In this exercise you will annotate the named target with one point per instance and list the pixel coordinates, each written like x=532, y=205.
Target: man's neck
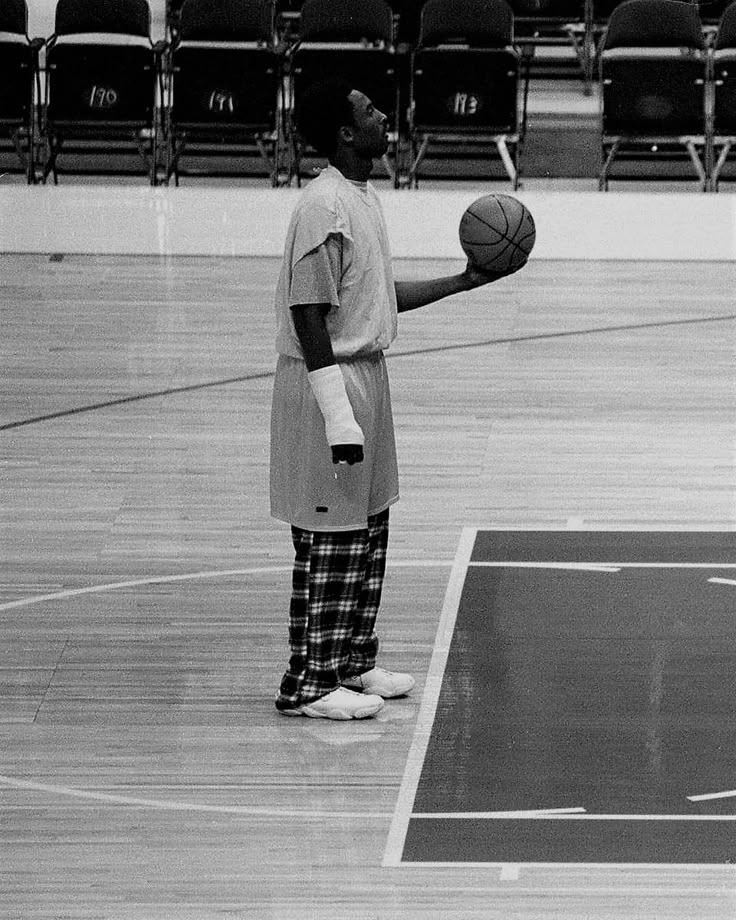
x=352, y=167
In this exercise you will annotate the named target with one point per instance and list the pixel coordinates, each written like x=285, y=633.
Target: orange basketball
x=497, y=232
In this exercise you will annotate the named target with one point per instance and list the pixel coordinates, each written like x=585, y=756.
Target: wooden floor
x=144, y=772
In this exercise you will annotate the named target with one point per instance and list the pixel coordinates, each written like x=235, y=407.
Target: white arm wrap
x=328, y=386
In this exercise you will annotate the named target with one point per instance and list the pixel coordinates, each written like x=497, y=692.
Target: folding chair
x=545, y=29
x=355, y=40
x=654, y=77
x=711, y=13
x=226, y=81
x=466, y=82
x=102, y=79
x=19, y=83
x=724, y=92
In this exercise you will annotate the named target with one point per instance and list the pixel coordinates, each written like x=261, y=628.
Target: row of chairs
x=226, y=82
x=576, y=24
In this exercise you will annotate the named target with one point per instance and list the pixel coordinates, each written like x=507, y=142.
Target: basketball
x=497, y=233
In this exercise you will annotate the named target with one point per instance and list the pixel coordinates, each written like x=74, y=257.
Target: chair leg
x=417, y=155
x=603, y=177
x=509, y=165
x=153, y=175
x=390, y=171
x=53, y=146
x=697, y=164
x=720, y=163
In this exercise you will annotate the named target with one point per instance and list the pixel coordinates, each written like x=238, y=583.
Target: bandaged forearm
x=328, y=386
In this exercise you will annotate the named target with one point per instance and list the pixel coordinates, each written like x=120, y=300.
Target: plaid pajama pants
x=336, y=592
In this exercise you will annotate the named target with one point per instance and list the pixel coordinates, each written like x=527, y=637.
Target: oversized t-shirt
x=336, y=253
x=323, y=264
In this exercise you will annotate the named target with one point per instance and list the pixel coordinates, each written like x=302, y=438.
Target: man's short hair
x=322, y=109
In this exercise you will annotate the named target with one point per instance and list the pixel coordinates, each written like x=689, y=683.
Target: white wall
x=252, y=221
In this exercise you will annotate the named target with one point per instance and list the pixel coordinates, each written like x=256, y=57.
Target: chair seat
x=652, y=53
x=95, y=39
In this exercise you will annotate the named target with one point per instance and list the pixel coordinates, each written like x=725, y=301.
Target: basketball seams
x=489, y=255
x=501, y=238
x=522, y=215
x=496, y=248
x=490, y=226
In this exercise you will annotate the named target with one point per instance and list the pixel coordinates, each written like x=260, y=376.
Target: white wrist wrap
x=328, y=386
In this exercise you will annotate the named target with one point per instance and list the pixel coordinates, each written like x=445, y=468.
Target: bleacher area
x=477, y=90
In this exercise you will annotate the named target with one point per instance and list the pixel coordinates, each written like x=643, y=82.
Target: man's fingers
x=347, y=453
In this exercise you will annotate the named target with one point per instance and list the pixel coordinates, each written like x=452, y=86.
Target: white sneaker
x=385, y=683
x=342, y=704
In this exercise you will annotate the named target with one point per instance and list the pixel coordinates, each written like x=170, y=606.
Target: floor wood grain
x=144, y=772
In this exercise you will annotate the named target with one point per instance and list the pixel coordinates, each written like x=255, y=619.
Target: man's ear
x=346, y=134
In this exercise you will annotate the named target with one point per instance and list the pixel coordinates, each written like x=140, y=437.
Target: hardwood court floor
x=144, y=772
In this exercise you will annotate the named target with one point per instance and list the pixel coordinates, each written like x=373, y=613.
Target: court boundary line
x=419, y=352
x=192, y=576
x=574, y=866
x=242, y=811
x=425, y=720
x=552, y=816
x=603, y=567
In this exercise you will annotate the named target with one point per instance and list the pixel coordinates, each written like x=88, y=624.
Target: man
x=333, y=457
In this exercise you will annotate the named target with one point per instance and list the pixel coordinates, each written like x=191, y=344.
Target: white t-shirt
x=337, y=252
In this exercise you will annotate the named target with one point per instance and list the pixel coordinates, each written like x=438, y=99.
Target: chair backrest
x=119, y=17
x=655, y=24
x=346, y=21
x=726, y=35
x=14, y=17
x=227, y=20
x=478, y=23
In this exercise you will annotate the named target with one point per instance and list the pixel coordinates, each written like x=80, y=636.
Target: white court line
x=710, y=796
x=721, y=581
x=513, y=875
x=409, y=563
x=604, y=566
x=243, y=811
x=549, y=816
x=140, y=582
x=501, y=815
x=191, y=576
x=571, y=566
x=430, y=699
